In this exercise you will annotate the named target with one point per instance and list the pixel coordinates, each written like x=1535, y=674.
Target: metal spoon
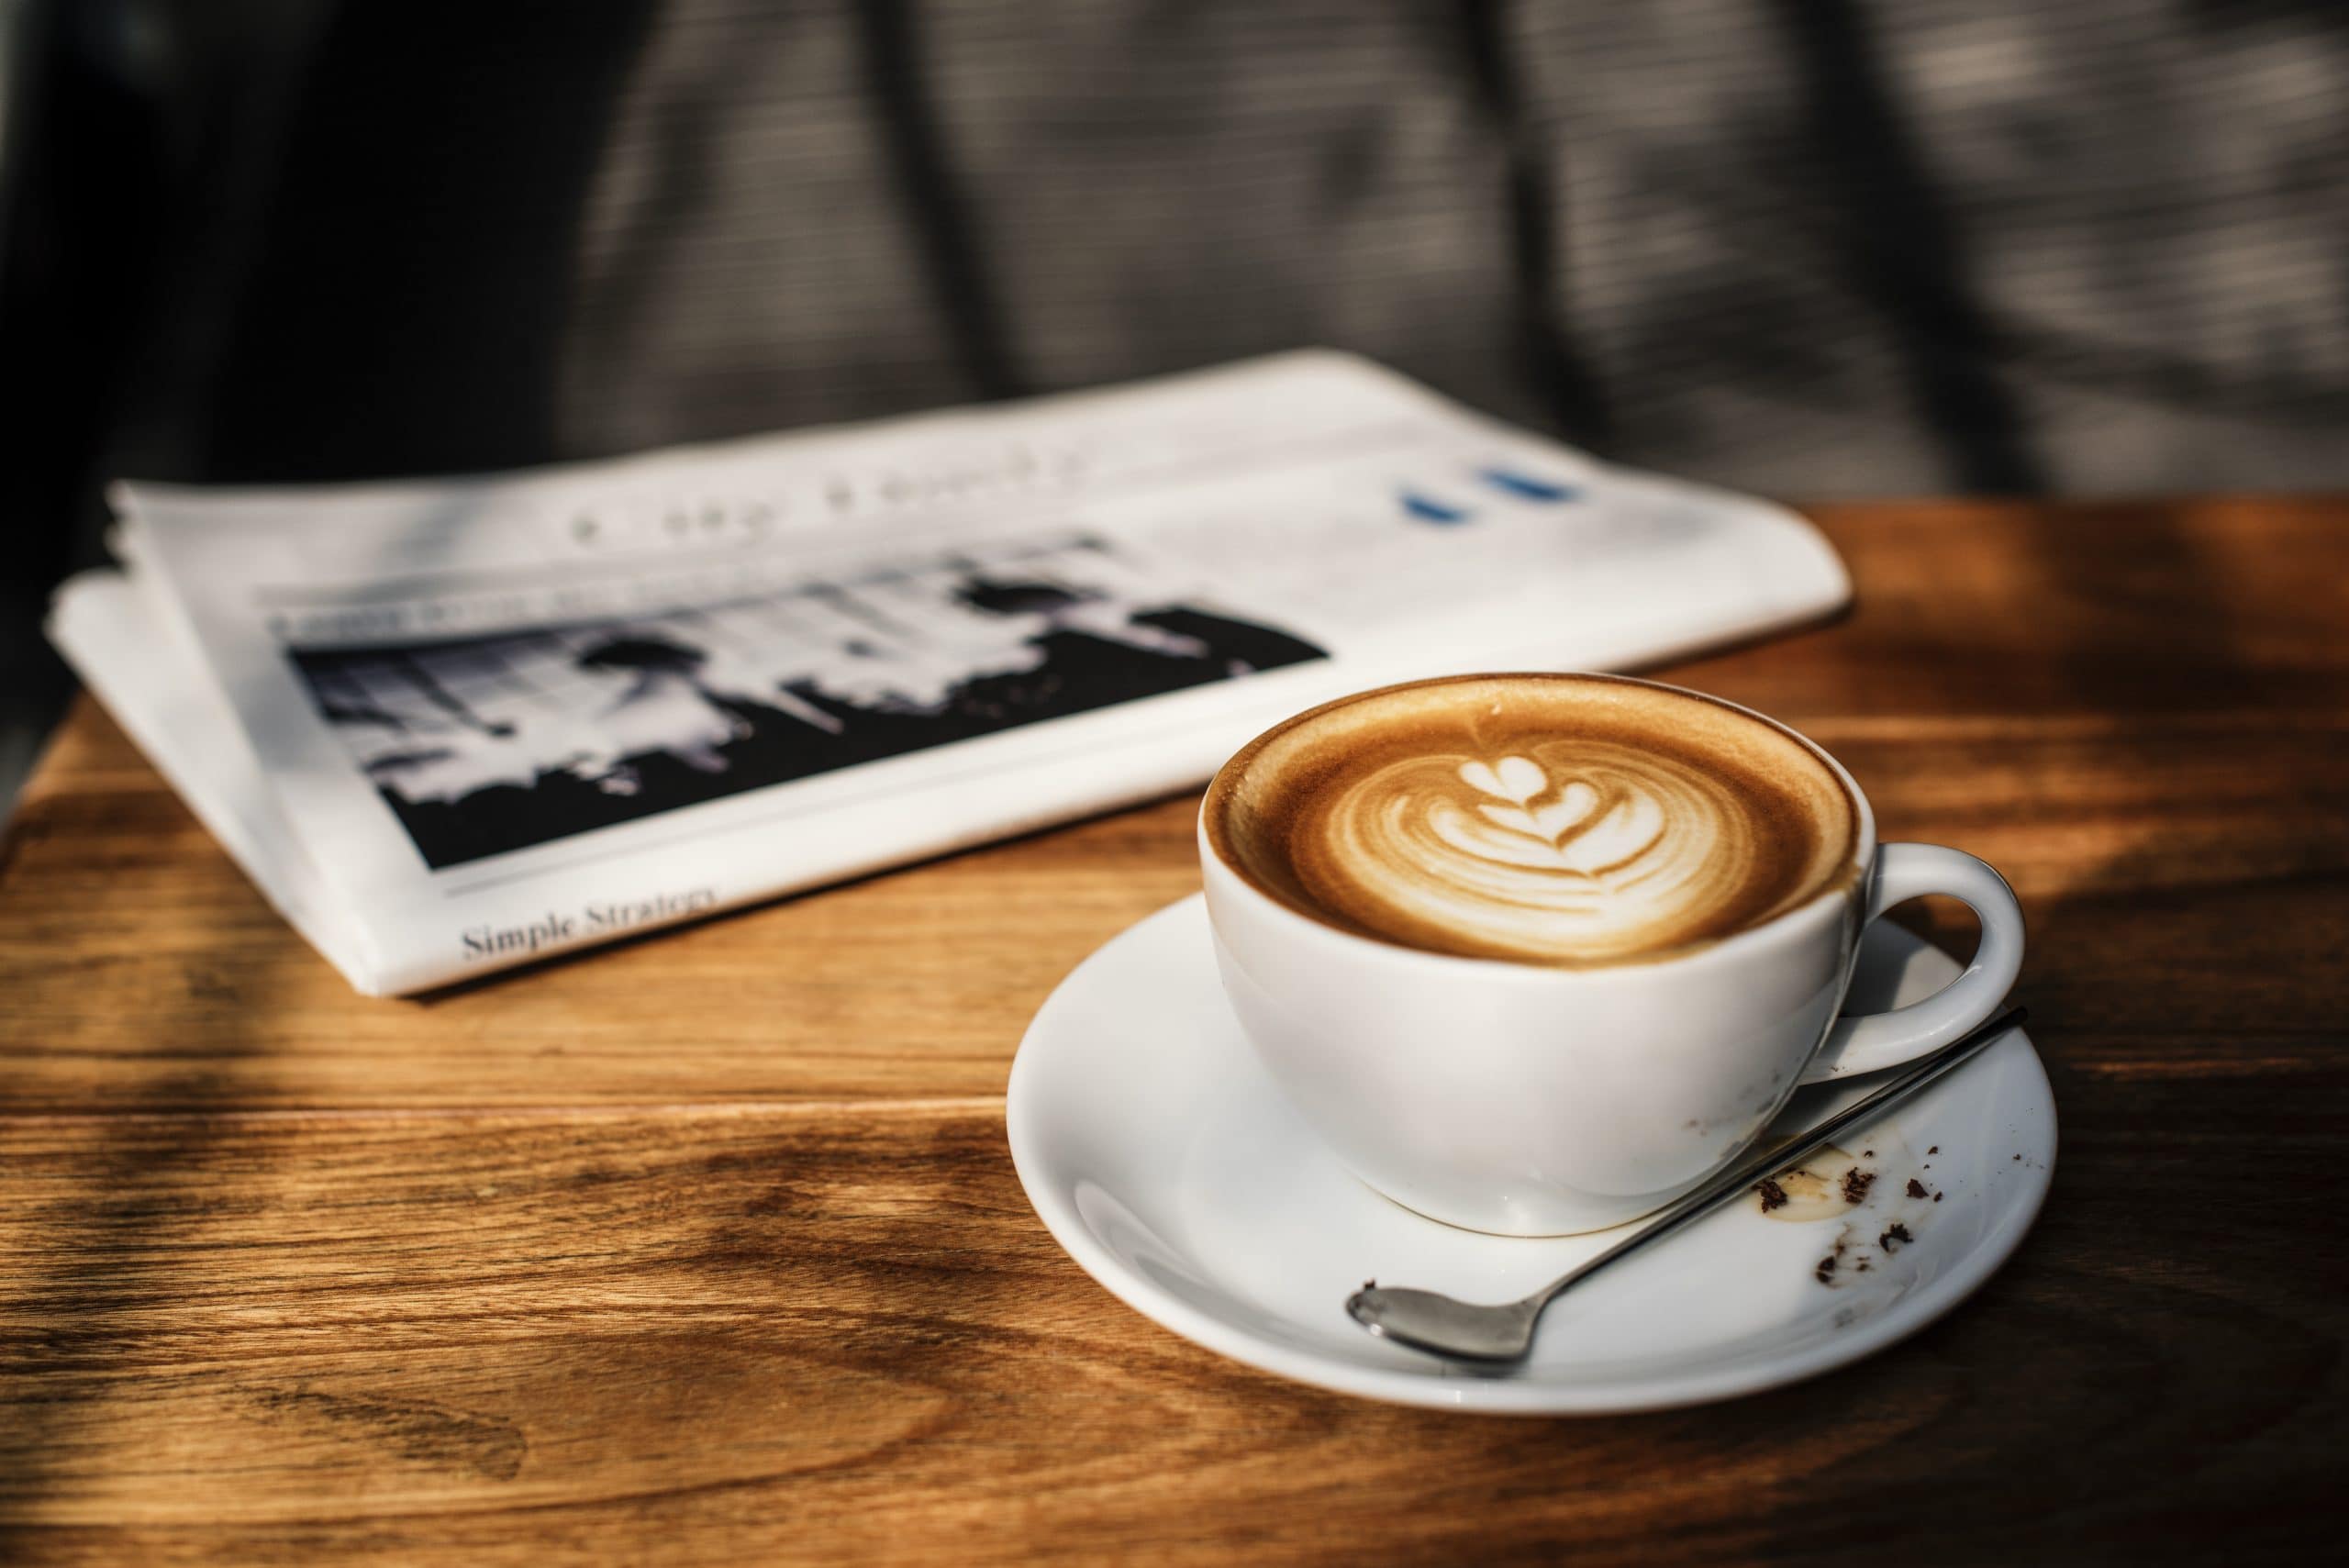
x=1429, y=1321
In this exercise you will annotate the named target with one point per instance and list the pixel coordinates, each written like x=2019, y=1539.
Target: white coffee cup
x=1531, y=1100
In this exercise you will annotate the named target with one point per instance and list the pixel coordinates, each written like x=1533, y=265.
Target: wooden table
x=709, y=1248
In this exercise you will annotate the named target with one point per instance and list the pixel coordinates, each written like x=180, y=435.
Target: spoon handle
x=1741, y=1176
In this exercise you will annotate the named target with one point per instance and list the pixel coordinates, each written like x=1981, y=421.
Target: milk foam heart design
x=1579, y=836
x=1572, y=842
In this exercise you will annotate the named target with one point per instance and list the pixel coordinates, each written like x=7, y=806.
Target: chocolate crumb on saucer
x=1934, y=1149
x=1773, y=1194
x=1899, y=1233
x=1826, y=1267
x=1937, y=1197
x=1916, y=1187
x=1856, y=1182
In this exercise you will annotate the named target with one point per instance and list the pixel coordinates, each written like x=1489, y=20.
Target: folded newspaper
x=450, y=727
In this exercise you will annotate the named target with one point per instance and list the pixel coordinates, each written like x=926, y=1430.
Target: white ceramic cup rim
x=1831, y=900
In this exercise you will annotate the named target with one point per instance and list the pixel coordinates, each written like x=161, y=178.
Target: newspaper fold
x=453, y=725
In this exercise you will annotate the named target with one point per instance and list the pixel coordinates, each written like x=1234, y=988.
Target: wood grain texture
x=836, y=1332
x=707, y=1248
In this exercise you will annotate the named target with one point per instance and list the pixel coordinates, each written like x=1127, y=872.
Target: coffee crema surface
x=1569, y=820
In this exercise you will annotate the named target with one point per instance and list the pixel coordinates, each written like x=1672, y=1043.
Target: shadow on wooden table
x=107, y=1248
x=2182, y=966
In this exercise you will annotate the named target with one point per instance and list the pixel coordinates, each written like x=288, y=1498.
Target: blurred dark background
x=1813, y=247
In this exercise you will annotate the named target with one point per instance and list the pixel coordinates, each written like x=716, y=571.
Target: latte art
x=1580, y=827
x=1573, y=820
x=1592, y=846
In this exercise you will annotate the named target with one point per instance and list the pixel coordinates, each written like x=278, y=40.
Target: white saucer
x=1159, y=1153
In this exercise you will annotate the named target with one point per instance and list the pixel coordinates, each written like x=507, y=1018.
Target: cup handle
x=1877, y=1040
